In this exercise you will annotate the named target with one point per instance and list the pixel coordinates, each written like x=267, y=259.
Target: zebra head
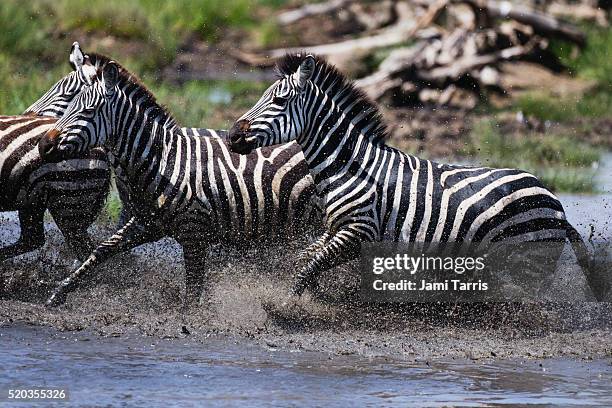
x=279, y=115
x=85, y=124
x=55, y=101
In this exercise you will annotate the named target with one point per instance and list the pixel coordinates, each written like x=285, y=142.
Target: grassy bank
x=146, y=35
x=562, y=163
x=555, y=155
x=591, y=63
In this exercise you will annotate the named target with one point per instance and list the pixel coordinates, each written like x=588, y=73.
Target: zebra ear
x=76, y=57
x=305, y=71
x=110, y=75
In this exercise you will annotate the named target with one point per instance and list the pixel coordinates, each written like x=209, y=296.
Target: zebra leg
x=32, y=235
x=130, y=236
x=125, y=215
x=336, y=250
x=75, y=234
x=596, y=279
x=194, y=254
x=315, y=246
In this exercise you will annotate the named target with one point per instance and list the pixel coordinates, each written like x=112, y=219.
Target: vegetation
x=562, y=163
x=208, y=103
x=592, y=63
x=112, y=209
x=594, y=104
x=146, y=35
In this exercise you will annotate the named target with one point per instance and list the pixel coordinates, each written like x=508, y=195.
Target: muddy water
x=225, y=371
x=592, y=214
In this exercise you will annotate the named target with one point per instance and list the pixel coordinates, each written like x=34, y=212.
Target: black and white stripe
x=74, y=191
x=372, y=192
x=181, y=184
x=55, y=101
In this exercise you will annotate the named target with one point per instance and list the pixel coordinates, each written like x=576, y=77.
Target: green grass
x=112, y=17
x=23, y=30
x=562, y=163
x=21, y=85
x=37, y=29
x=206, y=103
x=595, y=104
x=113, y=207
x=145, y=35
x=593, y=63
x=267, y=34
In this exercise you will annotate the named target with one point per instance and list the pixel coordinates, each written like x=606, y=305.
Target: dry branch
x=542, y=24
x=453, y=61
x=578, y=11
x=400, y=32
x=291, y=16
x=461, y=63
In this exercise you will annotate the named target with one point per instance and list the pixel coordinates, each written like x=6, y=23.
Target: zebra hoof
x=58, y=297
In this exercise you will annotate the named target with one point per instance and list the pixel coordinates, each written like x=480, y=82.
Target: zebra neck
x=145, y=136
x=139, y=123
x=337, y=142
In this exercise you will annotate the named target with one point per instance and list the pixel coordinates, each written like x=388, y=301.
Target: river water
x=144, y=371
x=586, y=210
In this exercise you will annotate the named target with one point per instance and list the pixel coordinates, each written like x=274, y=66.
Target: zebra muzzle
x=47, y=146
x=240, y=138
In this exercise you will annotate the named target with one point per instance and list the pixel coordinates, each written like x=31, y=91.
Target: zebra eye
x=279, y=100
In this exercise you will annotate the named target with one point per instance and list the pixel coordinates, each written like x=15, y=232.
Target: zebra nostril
x=239, y=130
x=48, y=145
x=45, y=148
x=244, y=125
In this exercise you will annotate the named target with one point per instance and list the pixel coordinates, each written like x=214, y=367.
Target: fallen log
x=444, y=70
x=579, y=11
x=541, y=23
x=402, y=31
x=469, y=63
x=291, y=16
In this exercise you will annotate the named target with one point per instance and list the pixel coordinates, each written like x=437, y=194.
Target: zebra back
x=373, y=191
x=75, y=186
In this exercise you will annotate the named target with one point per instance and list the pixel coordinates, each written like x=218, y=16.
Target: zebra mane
x=99, y=61
x=335, y=82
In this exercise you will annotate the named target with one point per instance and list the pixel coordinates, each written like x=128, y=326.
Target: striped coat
x=73, y=191
x=181, y=184
x=373, y=192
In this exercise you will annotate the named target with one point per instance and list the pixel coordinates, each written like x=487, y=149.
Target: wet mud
x=141, y=294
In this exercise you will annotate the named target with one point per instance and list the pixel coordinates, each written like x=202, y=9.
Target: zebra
x=55, y=101
x=180, y=184
x=372, y=192
x=73, y=191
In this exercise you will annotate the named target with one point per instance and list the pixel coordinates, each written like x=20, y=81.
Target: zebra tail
x=596, y=280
